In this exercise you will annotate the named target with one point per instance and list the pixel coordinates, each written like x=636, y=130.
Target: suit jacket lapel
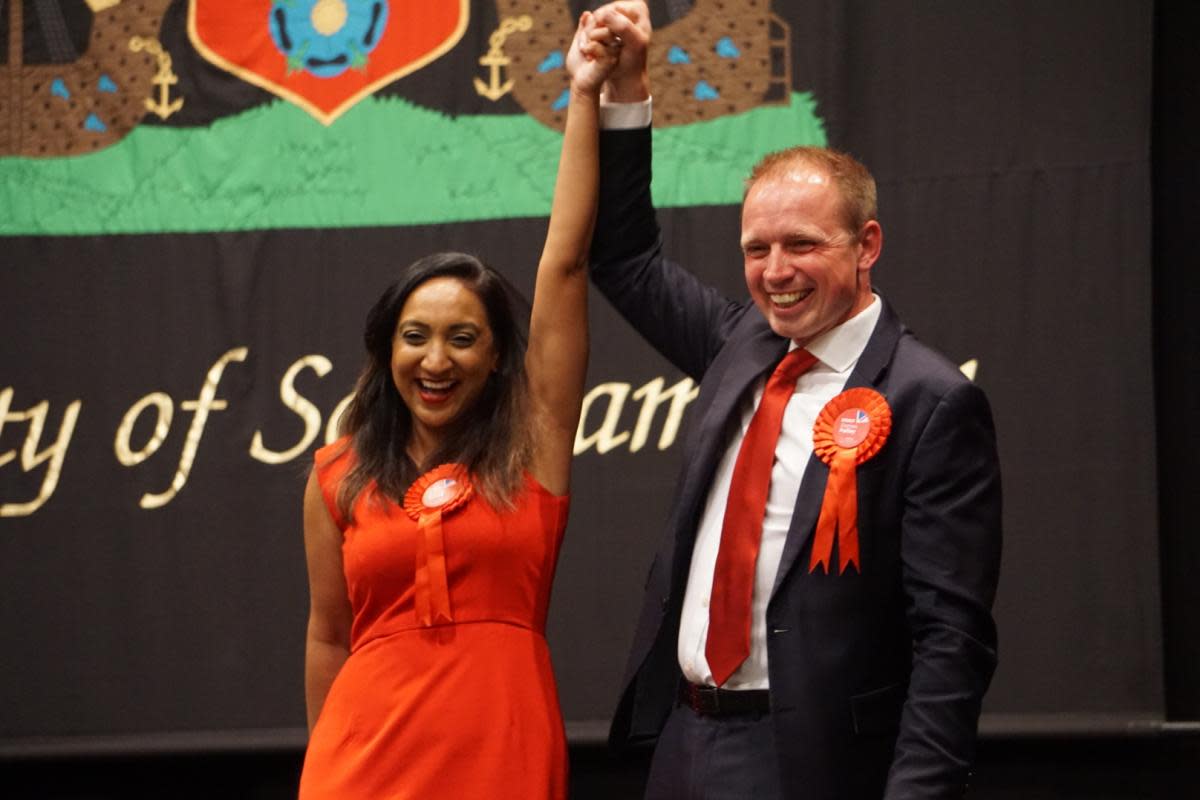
x=869, y=371
x=877, y=355
x=750, y=359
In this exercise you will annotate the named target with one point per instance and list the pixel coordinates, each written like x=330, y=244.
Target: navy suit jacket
x=876, y=677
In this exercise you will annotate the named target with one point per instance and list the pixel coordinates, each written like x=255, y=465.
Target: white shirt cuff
x=624, y=116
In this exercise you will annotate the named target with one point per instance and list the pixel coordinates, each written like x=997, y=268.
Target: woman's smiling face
x=442, y=357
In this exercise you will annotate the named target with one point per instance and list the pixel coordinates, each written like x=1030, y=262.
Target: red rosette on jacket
x=850, y=429
x=441, y=491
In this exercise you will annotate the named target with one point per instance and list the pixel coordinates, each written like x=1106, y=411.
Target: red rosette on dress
x=441, y=491
x=850, y=429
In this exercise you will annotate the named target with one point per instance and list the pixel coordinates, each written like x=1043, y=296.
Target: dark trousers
x=715, y=758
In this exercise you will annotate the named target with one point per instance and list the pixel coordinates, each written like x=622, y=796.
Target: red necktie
x=741, y=532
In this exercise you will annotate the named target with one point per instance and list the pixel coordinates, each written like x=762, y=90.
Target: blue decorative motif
x=727, y=49
x=59, y=89
x=677, y=55
x=93, y=123
x=562, y=101
x=705, y=92
x=552, y=62
x=327, y=37
x=105, y=84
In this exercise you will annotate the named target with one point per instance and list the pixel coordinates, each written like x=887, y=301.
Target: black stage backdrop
x=166, y=372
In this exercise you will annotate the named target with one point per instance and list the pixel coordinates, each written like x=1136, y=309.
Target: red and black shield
x=324, y=55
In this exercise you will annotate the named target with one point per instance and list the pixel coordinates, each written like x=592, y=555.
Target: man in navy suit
x=869, y=656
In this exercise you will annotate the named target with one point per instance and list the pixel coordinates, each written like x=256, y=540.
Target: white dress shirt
x=625, y=116
x=837, y=351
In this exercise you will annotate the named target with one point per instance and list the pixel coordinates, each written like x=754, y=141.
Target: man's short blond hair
x=854, y=181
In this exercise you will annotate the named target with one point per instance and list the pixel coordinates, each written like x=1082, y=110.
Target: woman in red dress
x=432, y=526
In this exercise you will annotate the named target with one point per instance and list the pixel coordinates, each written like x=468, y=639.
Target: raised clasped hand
x=593, y=55
x=629, y=81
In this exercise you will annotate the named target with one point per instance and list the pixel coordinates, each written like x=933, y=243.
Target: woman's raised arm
x=556, y=360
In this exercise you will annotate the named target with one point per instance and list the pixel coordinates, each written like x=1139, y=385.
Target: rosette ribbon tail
x=432, y=599
x=431, y=497
x=839, y=516
x=850, y=429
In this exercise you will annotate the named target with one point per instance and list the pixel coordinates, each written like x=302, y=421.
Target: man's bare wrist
x=631, y=90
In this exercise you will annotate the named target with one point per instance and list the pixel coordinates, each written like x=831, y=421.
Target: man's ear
x=870, y=244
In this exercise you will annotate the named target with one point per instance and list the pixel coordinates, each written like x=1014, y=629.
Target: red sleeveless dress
x=460, y=709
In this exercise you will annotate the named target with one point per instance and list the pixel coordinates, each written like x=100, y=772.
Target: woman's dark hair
x=492, y=439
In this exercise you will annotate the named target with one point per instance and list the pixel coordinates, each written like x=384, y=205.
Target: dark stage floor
x=1144, y=768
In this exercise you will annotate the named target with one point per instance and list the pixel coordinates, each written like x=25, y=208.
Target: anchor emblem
x=164, y=79
x=496, y=61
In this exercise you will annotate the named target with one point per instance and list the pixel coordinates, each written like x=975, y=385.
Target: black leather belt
x=711, y=701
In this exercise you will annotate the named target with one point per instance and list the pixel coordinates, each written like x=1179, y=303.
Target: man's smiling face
x=805, y=270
